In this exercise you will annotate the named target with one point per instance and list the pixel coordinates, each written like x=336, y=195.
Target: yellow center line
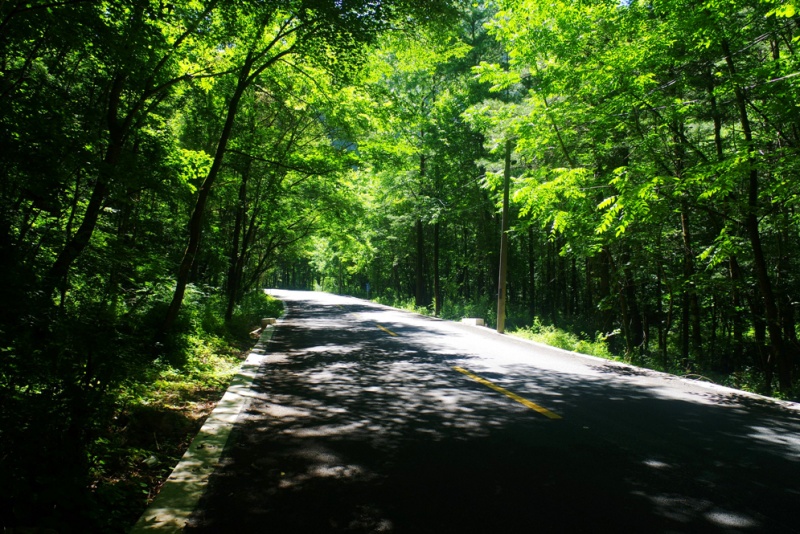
x=386, y=330
x=521, y=400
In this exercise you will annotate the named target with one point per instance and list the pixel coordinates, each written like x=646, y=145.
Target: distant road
x=368, y=419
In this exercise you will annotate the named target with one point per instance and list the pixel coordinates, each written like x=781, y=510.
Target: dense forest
x=650, y=154
x=160, y=162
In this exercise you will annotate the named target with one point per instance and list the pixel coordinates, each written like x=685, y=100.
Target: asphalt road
x=368, y=419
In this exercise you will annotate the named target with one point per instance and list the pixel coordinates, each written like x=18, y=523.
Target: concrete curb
x=170, y=510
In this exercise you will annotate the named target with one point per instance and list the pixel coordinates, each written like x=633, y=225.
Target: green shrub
x=556, y=337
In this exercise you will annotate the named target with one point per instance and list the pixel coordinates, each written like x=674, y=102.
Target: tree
x=640, y=119
x=332, y=34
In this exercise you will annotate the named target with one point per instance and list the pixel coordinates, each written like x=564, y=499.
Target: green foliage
x=406, y=304
x=557, y=337
x=122, y=124
x=255, y=306
x=157, y=411
x=633, y=180
x=653, y=194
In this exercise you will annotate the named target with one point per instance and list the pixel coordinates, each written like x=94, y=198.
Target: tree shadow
x=353, y=430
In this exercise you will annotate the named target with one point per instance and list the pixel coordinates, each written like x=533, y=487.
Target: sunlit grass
x=556, y=337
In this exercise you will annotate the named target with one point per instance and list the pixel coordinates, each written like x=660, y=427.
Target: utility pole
x=501, y=286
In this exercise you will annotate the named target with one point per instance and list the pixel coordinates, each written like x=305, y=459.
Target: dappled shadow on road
x=353, y=430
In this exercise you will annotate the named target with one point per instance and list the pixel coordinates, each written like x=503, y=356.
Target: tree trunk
x=465, y=285
x=691, y=306
x=78, y=242
x=573, y=289
x=786, y=308
x=738, y=334
x=716, y=116
x=632, y=318
x=419, y=275
x=662, y=320
x=196, y=221
x=751, y=223
x=730, y=363
x=604, y=288
x=234, y=274
x=531, y=274
x=549, y=280
x=588, y=300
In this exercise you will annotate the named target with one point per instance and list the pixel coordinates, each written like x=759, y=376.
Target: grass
x=556, y=337
x=158, y=414
x=153, y=425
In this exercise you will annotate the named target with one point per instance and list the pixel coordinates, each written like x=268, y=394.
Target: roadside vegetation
x=162, y=161
x=155, y=416
x=158, y=162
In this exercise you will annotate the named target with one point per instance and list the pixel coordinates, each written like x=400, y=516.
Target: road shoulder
x=170, y=510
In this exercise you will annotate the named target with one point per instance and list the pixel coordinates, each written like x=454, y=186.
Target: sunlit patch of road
x=382, y=434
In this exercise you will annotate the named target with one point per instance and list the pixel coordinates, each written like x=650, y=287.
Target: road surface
x=368, y=419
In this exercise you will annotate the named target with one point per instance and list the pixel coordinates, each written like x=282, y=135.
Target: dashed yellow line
x=386, y=330
x=509, y=394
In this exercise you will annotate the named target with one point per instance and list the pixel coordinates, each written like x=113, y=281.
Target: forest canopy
x=162, y=162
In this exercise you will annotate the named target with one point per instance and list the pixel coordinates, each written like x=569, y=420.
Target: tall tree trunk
x=588, y=298
x=419, y=264
x=762, y=349
x=690, y=313
x=196, y=221
x=234, y=276
x=754, y=235
x=632, y=318
x=419, y=274
x=531, y=274
x=466, y=255
x=738, y=334
x=663, y=320
x=604, y=288
x=573, y=289
x=550, y=282
x=691, y=305
x=732, y=362
x=786, y=308
x=715, y=115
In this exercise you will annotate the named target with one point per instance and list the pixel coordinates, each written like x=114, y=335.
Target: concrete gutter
x=170, y=510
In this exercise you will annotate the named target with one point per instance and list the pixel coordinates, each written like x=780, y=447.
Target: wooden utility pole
x=419, y=274
x=501, y=286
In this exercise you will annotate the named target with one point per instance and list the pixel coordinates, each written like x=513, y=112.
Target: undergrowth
x=556, y=337
x=159, y=411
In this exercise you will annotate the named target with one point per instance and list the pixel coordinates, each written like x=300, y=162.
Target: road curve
x=364, y=418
